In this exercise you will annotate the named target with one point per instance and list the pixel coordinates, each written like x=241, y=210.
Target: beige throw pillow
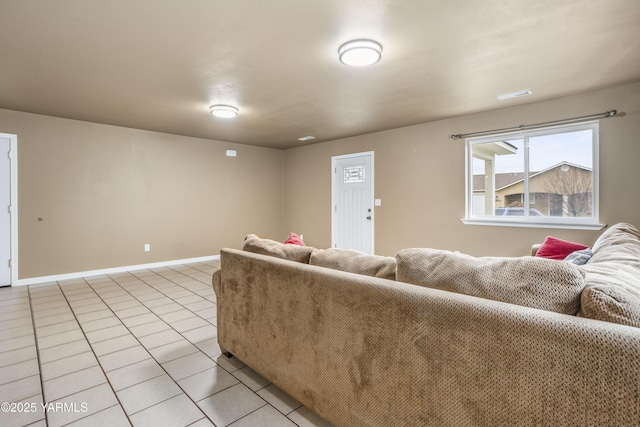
x=355, y=262
x=528, y=281
x=255, y=244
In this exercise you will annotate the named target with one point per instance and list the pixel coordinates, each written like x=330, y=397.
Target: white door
x=352, y=202
x=5, y=215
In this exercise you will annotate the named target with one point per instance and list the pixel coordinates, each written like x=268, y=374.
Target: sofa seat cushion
x=355, y=262
x=527, y=281
x=612, y=292
x=255, y=244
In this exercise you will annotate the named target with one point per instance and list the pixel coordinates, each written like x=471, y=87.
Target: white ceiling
x=159, y=64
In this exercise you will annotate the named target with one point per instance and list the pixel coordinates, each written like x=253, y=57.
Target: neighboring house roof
x=508, y=179
x=502, y=180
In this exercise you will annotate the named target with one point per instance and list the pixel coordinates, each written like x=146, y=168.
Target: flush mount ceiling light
x=359, y=53
x=514, y=95
x=224, y=111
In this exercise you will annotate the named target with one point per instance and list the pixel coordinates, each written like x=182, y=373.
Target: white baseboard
x=68, y=276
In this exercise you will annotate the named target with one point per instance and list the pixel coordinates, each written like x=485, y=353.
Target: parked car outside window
x=517, y=212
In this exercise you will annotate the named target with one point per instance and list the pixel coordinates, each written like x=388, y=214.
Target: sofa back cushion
x=528, y=281
x=612, y=292
x=255, y=244
x=355, y=262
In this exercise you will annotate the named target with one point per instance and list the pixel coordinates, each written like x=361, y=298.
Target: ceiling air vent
x=514, y=95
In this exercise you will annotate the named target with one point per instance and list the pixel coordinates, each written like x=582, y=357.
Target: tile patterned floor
x=136, y=348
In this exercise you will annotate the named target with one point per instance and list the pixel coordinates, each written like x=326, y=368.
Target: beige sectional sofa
x=469, y=342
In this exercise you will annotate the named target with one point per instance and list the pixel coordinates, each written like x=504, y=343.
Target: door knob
x=369, y=217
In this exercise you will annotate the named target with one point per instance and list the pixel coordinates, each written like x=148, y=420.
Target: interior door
x=352, y=202
x=5, y=215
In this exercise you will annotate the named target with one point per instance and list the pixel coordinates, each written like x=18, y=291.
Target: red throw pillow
x=554, y=248
x=294, y=239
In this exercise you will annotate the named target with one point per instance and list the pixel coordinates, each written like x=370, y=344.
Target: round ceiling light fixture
x=223, y=111
x=360, y=53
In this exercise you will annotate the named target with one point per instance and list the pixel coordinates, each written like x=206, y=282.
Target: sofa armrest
x=215, y=281
x=534, y=249
x=362, y=350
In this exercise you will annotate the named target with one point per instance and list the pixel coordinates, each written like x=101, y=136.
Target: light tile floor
x=136, y=348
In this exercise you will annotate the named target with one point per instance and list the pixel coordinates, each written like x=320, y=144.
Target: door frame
x=13, y=216
x=334, y=183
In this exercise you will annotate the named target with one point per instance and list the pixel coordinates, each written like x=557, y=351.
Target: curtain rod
x=609, y=113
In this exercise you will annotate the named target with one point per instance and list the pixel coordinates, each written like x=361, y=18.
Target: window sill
x=533, y=224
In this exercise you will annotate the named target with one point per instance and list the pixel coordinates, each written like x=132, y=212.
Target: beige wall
x=419, y=168
x=104, y=191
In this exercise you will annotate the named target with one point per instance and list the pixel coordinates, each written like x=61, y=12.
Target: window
x=545, y=177
x=353, y=174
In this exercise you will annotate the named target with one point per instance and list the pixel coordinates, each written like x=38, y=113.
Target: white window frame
x=591, y=223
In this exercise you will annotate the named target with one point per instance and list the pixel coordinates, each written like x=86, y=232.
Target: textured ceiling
x=159, y=64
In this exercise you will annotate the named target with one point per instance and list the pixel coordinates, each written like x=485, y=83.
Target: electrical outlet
x=147, y=247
